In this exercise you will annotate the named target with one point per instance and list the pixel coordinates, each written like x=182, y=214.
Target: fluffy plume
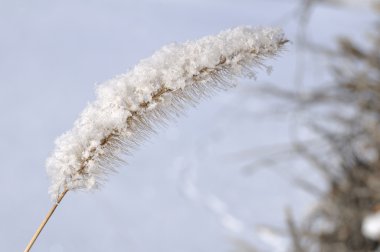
x=131, y=105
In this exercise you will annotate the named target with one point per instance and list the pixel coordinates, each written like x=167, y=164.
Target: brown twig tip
x=284, y=41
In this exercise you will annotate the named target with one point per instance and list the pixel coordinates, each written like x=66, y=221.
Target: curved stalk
x=43, y=223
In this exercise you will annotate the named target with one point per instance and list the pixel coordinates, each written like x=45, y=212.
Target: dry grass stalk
x=129, y=107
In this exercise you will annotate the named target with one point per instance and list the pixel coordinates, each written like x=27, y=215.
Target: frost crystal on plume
x=129, y=106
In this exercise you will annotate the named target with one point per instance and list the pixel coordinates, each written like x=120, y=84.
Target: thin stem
x=43, y=223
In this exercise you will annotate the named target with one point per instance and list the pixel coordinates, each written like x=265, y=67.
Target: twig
x=43, y=223
x=295, y=236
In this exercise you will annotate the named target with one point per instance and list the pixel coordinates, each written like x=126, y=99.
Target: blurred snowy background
x=186, y=189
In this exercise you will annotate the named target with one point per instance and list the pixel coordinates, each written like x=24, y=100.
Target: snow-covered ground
x=182, y=191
